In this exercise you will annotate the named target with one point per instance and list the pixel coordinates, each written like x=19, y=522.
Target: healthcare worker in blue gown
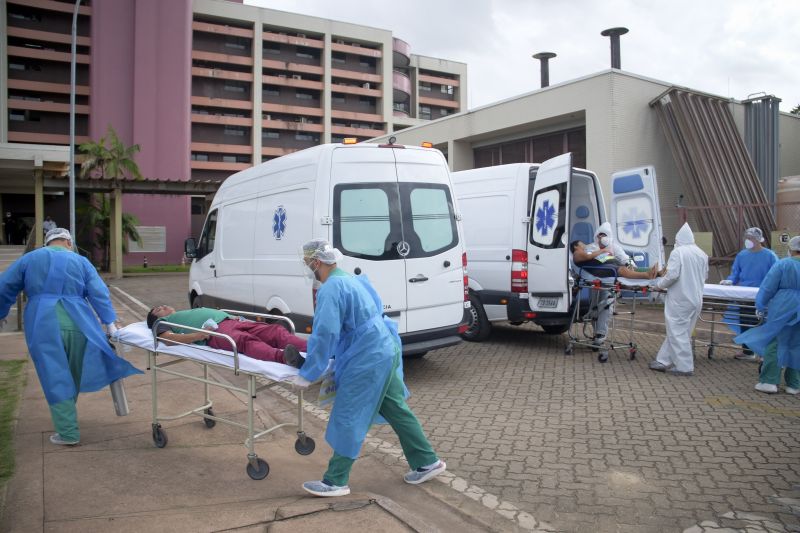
x=69, y=349
x=350, y=327
x=778, y=338
x=749, y=269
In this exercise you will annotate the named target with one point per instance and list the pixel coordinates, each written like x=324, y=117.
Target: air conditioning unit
x=301, y=35
x=303, y=120
x=267, y=117
x=339, y=41
x=282, y=76
x=297, y=77
x=366, y=85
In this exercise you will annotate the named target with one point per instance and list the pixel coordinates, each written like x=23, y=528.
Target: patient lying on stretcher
x=266, y=342
x=596, y=262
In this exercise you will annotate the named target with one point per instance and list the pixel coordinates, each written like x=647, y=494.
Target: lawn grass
x=12, y=379
x=155, y=269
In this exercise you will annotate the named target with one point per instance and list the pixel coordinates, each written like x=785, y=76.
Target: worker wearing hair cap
x=68, y=348
x=778, y=338
x=749, y=268
x=350, y=327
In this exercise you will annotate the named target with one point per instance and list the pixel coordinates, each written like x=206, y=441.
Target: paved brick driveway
x=586, y=446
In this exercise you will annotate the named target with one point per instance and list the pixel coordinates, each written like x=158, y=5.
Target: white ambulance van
x=388, y=208
x=518, y=222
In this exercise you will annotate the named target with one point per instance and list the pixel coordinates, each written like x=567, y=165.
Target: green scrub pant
x=393, y=408
x=64, y=413
x=771, y=372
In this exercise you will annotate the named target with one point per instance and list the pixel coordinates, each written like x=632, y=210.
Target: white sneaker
x=769, y=388
x=55, y=438
x=423, y=474
x=793, y=392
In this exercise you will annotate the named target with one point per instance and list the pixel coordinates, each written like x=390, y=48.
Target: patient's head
x=576, y=245
x=157, y=312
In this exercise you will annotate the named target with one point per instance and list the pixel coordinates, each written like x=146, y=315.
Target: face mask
x=748, y=244
x=605, y=241
x=310, y=273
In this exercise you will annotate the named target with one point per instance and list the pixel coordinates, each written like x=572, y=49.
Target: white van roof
x=301, y=158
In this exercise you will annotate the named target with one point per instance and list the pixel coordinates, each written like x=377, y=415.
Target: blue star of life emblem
x=545, y=218
x=279, y=223
x=636, y=225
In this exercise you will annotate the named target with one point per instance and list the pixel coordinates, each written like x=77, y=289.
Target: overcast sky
x=726, y=47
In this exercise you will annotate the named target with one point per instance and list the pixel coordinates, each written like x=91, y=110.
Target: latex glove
x=299, y=382
x=726, y=282
x=759, y=314
x=111, y=329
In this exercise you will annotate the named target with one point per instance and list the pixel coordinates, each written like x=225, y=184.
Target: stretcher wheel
x=568, y=349
x=603, y=357
x=159, y=436
x=258, y=473
x=632, y=353
x=304, y=448
x=710, y=352
x=209, y=423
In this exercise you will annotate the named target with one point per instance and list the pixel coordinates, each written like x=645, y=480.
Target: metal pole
x=72, y=120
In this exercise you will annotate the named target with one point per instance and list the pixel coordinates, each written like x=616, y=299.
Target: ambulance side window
x=367, y=220
x=208, y=236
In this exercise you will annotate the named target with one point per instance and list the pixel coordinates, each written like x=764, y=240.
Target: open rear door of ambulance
x=548, y=249
x=635, y=215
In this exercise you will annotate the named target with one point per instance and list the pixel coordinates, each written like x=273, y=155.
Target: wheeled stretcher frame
x=257, y=468
x=614, y=286
x=714, y=309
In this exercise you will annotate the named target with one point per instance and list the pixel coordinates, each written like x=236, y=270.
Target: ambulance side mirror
x=190, y=248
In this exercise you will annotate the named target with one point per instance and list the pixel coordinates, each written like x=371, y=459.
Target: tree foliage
x=109, y=158
x=95, y=219
x=796, y=110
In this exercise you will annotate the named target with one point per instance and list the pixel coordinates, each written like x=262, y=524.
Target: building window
x=365, y=101
x=446, y=89
x=16, y=66
x=424, y=86
x=31, y=17
x=16, y=116
x=339, y=57
x=367, y=62
x=272, y=48
x=336, y=99
x=233, y=88
x=443, y=112
x=199, y=157
x=235, y=132
x=271, y=90
x=229, y=159
x=306, y=53
x=238, y=44
x=306, y=137
x=302, y=95
x=266, y=134
x=424, y=112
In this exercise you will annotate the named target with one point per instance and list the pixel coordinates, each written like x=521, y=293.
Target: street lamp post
x=72, y=120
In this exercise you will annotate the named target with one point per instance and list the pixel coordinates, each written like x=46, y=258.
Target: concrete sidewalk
x=116, y=480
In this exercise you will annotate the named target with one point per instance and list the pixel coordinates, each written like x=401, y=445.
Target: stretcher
x=728, y=305
x=268, y=374
x=594, y=292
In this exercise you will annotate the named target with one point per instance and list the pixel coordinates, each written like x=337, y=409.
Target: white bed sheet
x=732, y=292
x=625, y=282
x=138, y=334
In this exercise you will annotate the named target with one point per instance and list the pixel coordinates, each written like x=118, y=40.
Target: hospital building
x=206, y=88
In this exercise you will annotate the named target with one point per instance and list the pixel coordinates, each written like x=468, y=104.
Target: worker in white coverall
x=603, y=301
x=687, y=270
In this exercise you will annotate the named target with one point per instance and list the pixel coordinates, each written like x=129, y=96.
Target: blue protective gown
x=49, y=276
x=349, y=325
x=749, y=269
x=779, y=295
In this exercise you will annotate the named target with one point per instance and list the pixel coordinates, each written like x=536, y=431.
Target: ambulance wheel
x=304, y=448
x=603, y=357
x=260, y=472
x=209, y=423
x=568, y=349
x=478, y=327
x=159, y=436
x=632, y=353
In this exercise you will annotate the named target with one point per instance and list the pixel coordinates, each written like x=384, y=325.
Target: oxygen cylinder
x=119, y=397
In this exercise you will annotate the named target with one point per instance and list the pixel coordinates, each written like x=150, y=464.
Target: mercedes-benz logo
x=403, y=248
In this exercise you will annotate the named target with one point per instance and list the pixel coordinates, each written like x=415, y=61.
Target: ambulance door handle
x=446, y=263
x=212, y=265
x=418, y=279
x=537, y=257
x=357, y=271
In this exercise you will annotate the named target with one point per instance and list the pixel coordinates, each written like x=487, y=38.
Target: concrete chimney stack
x=614, y=34
x=544, y=58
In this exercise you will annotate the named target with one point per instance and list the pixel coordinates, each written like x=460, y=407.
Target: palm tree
x=114, y=161
x=96, y=218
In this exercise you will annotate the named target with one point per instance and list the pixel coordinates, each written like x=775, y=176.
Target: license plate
x=548, y=302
